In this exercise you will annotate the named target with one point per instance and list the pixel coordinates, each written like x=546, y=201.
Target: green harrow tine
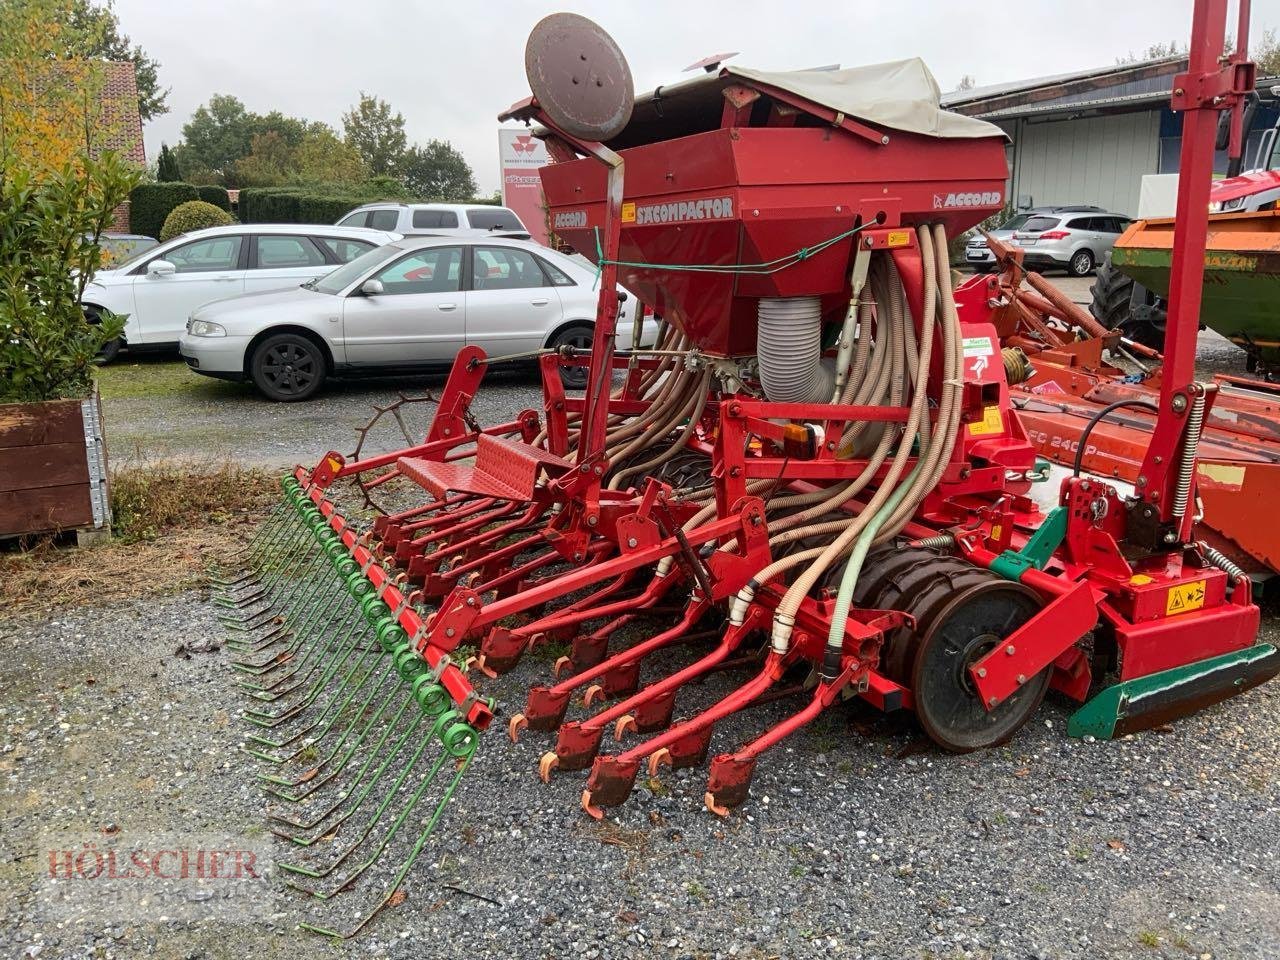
x=377, y=816
x=356, y=679
x=345, y=682
x=459, y=743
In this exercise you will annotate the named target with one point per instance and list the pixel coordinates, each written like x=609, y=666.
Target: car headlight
x=206, y=328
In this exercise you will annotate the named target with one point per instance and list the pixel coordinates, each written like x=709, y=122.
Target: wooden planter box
x=53, y=467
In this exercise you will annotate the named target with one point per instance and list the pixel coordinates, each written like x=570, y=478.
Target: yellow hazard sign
x=991, y=422
x=897, y=238
x=1184, y=598
x=628, y=213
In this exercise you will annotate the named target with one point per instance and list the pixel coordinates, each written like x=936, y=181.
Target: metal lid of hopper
x=579, y=76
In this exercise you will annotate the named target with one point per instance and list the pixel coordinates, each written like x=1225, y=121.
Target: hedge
x=314, y=203
x=151, y=203
x=218, y=196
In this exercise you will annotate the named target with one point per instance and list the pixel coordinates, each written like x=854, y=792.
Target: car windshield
x=1015, y=223
x=1040, y=224
x=347, y=274
x=148, y=250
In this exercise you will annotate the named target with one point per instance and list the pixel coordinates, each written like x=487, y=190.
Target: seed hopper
x=813, y=480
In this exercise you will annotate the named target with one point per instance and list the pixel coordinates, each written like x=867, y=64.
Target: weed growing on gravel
x=150, y=500
x=171, y=521
x=1149, y=938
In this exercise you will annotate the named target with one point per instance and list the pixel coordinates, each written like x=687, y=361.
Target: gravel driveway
x=860, y=840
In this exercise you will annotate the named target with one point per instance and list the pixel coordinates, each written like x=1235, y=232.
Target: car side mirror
x=371, y=288
x=161, y=268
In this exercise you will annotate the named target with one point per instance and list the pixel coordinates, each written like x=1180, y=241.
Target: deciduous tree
x=376, y=133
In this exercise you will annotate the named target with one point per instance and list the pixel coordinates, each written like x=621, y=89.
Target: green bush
x=218, y=196
x=193, y=215
x=151, y=203
x=49, y=229
x=313, y=203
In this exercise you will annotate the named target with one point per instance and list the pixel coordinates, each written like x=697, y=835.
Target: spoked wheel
x=962, y=612
x=1081, y=263
x=402, y=423
x=288, y=367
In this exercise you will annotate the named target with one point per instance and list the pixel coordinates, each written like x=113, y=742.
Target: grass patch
x=170, y=523
x=155, y=378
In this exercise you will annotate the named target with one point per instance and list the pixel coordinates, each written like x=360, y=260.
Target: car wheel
x=1081, y=263
x=111, y=349
x=580, y=337
x=288, y=367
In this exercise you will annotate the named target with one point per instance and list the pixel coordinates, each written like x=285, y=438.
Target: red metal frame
x=537, y=548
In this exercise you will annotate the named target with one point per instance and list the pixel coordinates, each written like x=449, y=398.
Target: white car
x=159, y=288
x=411, y=304
x=438, y=219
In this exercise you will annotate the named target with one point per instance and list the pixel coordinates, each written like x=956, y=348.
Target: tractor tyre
x=1112, y=307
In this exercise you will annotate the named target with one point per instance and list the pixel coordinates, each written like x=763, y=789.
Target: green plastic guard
x=1160, y=697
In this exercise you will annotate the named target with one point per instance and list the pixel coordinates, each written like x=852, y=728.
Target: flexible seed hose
x=691, y=422
x=924, y=477
x=784, y=616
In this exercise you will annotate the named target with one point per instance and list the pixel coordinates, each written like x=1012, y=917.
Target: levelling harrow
x=813, y=481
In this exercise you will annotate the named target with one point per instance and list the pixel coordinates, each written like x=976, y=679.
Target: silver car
x=411, y=304
x=983, y=260
x=1076, y=242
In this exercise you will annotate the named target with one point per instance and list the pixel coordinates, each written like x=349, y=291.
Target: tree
x=217, y=135
x=268, y=164
x=1157, y=51
x=94, y=32
x=50, y=105
x=375, y=133
x=436, y=171
x=1265, y=52
x=167, y=169
x=966, y=82
x=323, y=157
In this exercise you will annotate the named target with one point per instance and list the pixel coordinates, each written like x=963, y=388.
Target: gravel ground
x=860, y=840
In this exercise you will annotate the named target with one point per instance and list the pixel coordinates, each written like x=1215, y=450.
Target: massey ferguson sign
x=520, y=156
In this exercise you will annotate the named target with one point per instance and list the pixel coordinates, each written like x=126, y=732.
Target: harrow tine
x=459, y=742
x=334, y=712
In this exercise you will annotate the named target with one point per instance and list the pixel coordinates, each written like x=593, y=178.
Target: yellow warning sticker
x=897, y=238
x=628, y=213
x=1185, y=598
x=991, y=422
x=334, y=464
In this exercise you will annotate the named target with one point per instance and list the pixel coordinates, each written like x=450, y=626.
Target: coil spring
x=1017, y=365
x=940, y=541
x=1222, y=562
x=1194, y=424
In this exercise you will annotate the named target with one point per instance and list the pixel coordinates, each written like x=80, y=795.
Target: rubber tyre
x=946, y=596
x=288, y=367
x=960, y=723
x=1112, y=307
x=1081, y=263
x=111, y=349
x=580, y=336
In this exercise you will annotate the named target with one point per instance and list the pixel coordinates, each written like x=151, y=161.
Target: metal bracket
x=95, y=455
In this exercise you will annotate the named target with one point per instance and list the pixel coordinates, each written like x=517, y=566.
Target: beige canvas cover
x=900, y=94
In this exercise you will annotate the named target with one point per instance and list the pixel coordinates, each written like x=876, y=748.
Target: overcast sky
x=450, y=68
